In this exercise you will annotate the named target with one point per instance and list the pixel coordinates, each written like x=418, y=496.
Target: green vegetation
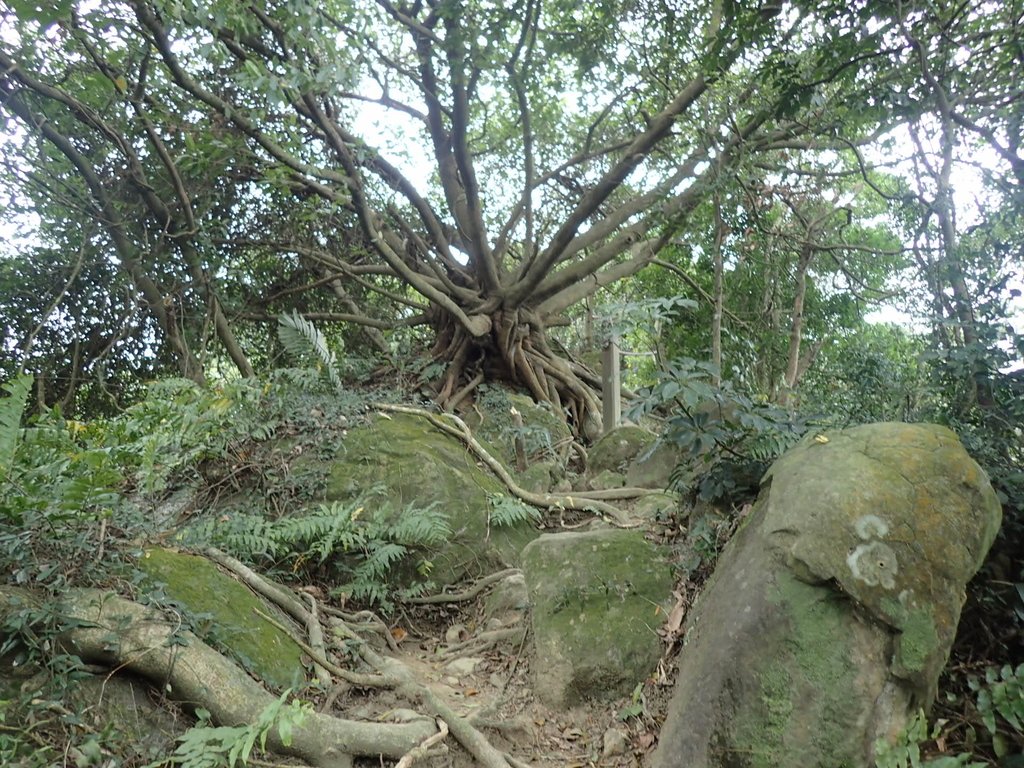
x=207, y=746
x=460, y=202
x=360, y=552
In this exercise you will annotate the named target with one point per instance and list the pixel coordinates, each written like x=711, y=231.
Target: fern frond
x=421, y=526
x=11, y=408
x=380, y=559
x=508, y=511
x=304, y=340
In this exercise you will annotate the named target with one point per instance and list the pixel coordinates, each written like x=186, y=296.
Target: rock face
x=408, y=461
x=595, y=599
x=832, y=610
x=204, y=590
x=636, y=454
x=617, y=448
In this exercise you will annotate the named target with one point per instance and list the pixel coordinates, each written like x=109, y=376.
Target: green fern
x=206, y=746
x=304, y=340
x=507, y=511
x=365, y=553
x=11, y=408
x=429, y=526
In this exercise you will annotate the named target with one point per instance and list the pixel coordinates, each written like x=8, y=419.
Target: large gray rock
x=832, y=610
x=595, y=599
x=653, y=467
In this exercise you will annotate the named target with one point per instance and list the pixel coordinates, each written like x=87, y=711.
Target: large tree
x=569, y=145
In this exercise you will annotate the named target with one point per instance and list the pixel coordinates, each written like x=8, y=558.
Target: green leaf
x=45, y=13
x=305, y=341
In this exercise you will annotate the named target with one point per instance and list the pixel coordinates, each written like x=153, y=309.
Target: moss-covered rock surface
x=224, y=611
x=596, y=598
x=616, y=449
x=832, y=611
x=543, y=432
x=400, y=460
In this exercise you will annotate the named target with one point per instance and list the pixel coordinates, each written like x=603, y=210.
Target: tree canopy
x=479, y=170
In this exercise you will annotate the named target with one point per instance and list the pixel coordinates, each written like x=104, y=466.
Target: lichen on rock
x=832, y=611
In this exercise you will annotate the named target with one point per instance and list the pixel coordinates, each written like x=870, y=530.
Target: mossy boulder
x=606, y=480
x=657, y=506
x=595, y=597
x=225, y=612
x=831, y=612
x=539, y=477
x=404, y=460
x=543, y=430
x=616, y=449
x=653, y=467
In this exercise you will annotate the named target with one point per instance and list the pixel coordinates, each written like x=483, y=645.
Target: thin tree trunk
x=792, y=374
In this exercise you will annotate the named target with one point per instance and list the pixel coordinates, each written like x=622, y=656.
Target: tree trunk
x=515, y=351
x=792, y=374
x=716, y=314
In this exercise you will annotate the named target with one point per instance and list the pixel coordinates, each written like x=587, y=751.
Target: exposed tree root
x=117, y=633
x=389, y=672
x=581, y=502
x=463, y=393
x=481, y=642
x=367, y=620
x=316, y=639
x=465, y=595
x=423, y=749
x=514, y=350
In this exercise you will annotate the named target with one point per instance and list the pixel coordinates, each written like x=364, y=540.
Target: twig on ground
x=421, y=750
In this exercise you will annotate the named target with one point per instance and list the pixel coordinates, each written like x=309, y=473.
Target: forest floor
x=494, y=690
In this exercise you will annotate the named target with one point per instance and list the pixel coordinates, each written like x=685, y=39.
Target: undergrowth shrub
x=727, y=438
x=76, y=497
x=370, y=556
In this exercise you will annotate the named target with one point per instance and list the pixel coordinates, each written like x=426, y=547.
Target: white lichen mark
x=874, y=563
x=871, y=527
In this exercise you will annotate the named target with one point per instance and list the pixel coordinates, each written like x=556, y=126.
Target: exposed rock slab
x=616, y=449
x=595, y=602
x=653, y=467
x=832, y=610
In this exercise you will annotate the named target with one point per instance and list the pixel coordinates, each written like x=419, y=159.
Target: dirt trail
x=492, y=687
